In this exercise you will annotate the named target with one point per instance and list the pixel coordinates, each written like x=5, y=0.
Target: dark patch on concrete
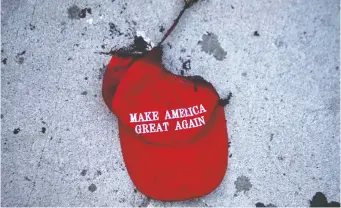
x=92, y=188
x=86, y=78
x=225, y=101
x=243, y=184
x=98, y=173
x=2, y=116
x=279, y=43
x=32, y=27
x=43, y=130
x=169, y=45
x=230, y=155
x=83, y=173
x=83, y=12
x=22, y=53
x=210, y=45
x=103, y=46
x=229, y=144
x=183, y=50
x=232, y=7
x=16, y=131
x=244, y=74
x=255, y=33
x=19, y=59
x=27, y=179
x=69, y=59
x=271, y=135
x=51, y=138
x=145, y=202
x=161, y=29
x=140, y=44
x=114, y=31
x=337, y=68
x=186, y=65
x=260, y=204
x=182, y=72
x=281, y=158
x=73, y=12
x=4, y=61
x=84, y=93
x=101, y=71
x=320, y=200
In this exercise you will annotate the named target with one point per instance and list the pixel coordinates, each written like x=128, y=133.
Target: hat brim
x=178, y=173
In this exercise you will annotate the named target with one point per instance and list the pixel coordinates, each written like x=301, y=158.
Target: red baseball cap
x=172, y=129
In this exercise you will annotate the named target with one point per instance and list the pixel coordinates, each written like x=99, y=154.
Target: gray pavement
x=280, y=60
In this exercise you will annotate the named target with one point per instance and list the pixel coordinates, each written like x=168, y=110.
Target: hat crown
x=160, y=107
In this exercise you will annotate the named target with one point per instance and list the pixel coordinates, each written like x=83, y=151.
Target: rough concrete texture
x=280, y=60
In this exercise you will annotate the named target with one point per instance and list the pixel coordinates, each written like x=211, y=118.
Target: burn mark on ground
x=4, y=61
x=271, y=137
x=101, y=71
x=27, y=179
x=242, y=184
x=92, y=187
x=16, y=131
x=186, y=65
x=74, y=12
x=32, y=27
x=84, y=93
x=260, y=204
x=320, y=200
x=43, y=130
x=19, y=57
x=161, y=29
x=210, y=45
x=83, y=173
x=114, y=31
x=255, y=33
x=225, y=101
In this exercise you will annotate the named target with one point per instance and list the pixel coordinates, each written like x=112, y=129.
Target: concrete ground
x=279, y=59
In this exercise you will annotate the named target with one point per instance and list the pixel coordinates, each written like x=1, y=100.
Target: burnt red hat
x=172, y=129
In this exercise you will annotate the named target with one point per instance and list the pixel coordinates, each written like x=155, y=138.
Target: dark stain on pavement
x=101, y=71
x=43, y=130
x=242, y=184
x=186, y=65
x=4, y=61
x=210, y=45
x=98, y=173
x=92, y=187
x=19, y=57
x=16, y=131
x=27, y=179
x=83, y=173
x=225, y=101
x=260, y=204
x=114, y=31
x=32, y=27
x=161, y=29
x=84, y=93
x=74, y=12
x=255, y=33
x=320, y=200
